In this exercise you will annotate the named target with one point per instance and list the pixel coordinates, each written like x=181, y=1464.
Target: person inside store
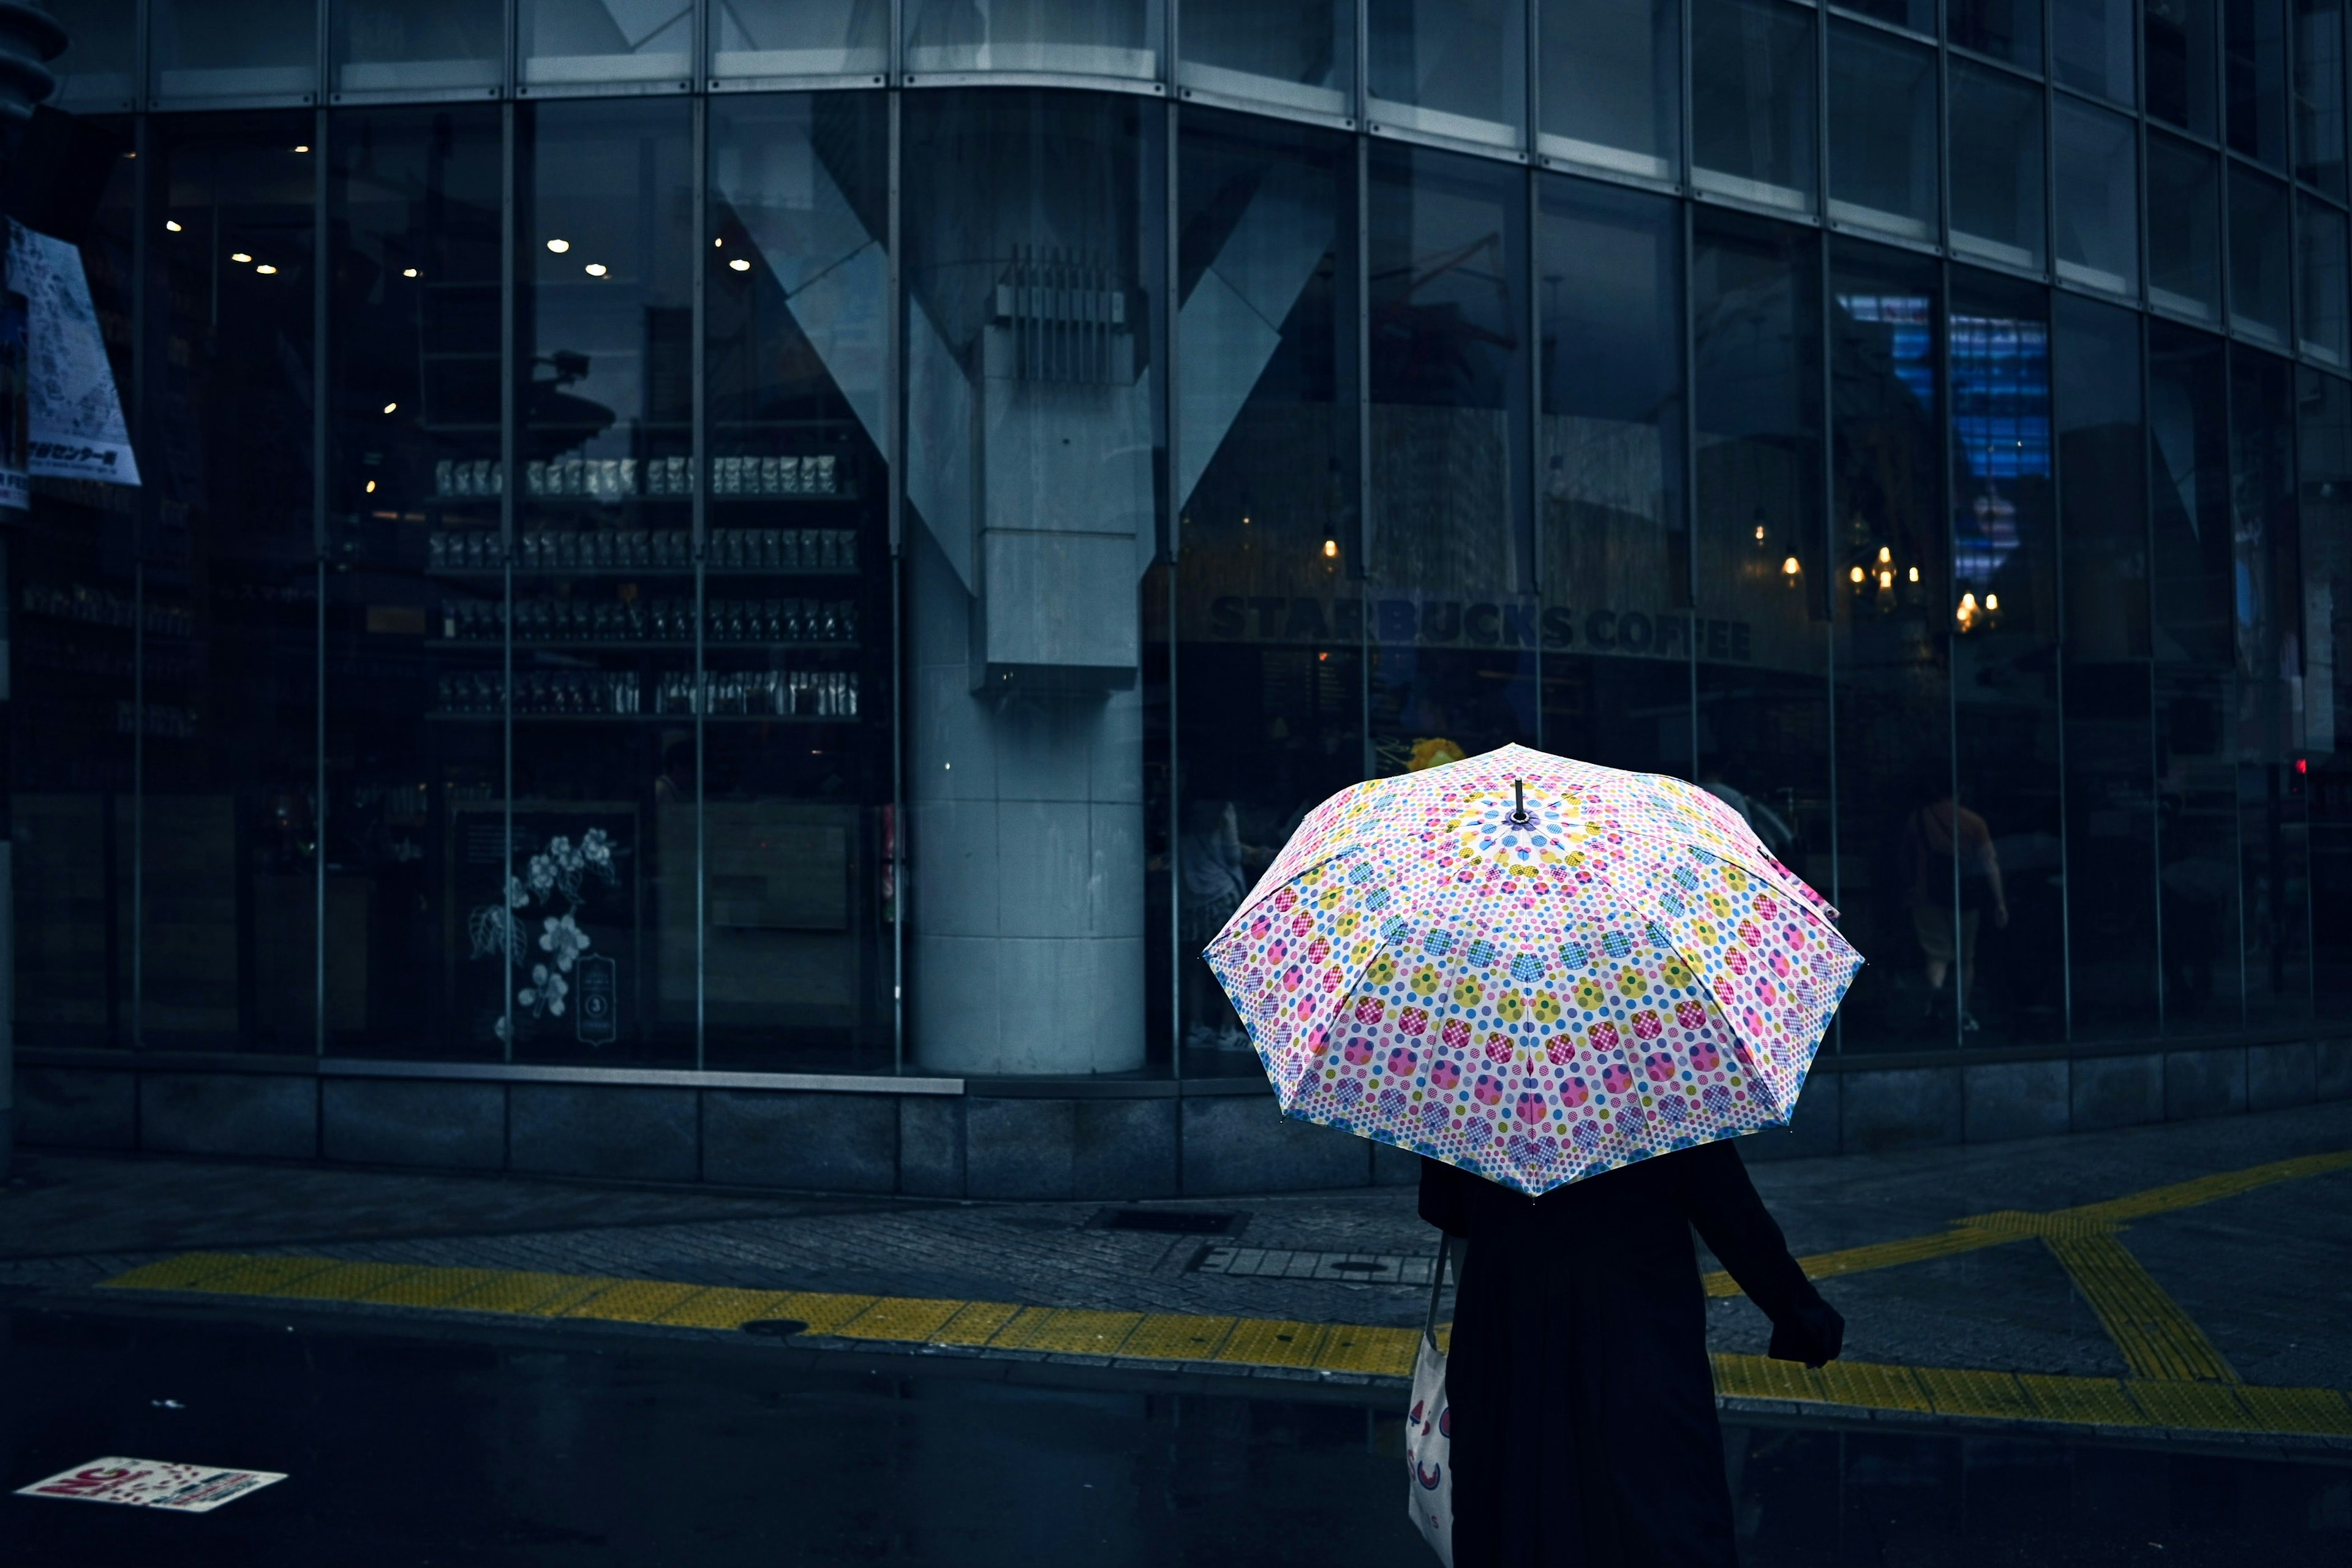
x=1583, y=1419
x=1939, y=833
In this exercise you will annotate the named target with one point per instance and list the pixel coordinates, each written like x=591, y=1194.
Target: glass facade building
x=834, y=538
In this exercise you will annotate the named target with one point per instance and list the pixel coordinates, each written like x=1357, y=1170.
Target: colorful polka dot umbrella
x=1533, y=968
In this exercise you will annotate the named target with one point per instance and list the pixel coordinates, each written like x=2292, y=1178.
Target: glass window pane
x=798, y=38
x=2109, y=740
x=1033, y=232
x=2324, y=471
x=1919, y=16
x=2319, y=94
x=1272, y=603
x=2320, y=283
x=76, y=645
x=2254, y=70
x=1079, y=37
x=2259, y=248
x=1300, y=53
x=227, y=842
x=1449, y=503
x=1617, y=627
x=1762, y=725
x=2098, y=198
x=1450, y=68
x=572, y=43
x=1881, y=134
x=1890, y=574
x=98, y=69
x=417, y=46
x=1998, y=838
x=2179, y=38
x=2008, y=30
x=2091, y=46
x=2275, y=884
x=1612, y=85
x=416, y=601
x=1752, y=101
x=2184, y=228
x=2195, y=696
x=233, y=49
x=1996, y=167
x=796, y=805
x=602, y=729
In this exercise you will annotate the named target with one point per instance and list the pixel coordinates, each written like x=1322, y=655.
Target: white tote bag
x=1429, y=1430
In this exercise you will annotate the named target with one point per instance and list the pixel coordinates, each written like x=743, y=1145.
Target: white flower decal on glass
x=553, y=885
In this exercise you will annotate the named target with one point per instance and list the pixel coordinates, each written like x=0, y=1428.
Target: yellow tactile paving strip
x=2177, y=1379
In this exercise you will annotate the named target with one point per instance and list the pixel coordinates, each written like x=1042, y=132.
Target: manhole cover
x=1171, y=1221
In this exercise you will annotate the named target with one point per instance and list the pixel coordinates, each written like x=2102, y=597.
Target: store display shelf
x=644, y=718
x=478, y=574
x=653, y=645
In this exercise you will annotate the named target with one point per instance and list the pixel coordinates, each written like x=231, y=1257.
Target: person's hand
x=2001, y=916
x=1813, y=1335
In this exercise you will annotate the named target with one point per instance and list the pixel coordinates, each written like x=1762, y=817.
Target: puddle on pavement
x=416, y=1451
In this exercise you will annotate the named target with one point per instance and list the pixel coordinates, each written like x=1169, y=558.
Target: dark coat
x=1584, y=1430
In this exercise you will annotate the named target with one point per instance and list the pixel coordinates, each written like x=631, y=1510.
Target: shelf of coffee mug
x=644, y=718
x=651, y=644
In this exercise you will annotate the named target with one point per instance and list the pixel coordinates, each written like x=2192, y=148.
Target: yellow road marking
x=2156, y=1338
x=2138, y=1401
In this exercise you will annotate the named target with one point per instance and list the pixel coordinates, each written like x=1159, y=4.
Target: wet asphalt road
x=477, y=1449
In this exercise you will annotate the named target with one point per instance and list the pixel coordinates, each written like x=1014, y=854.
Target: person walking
x=1584, y=1431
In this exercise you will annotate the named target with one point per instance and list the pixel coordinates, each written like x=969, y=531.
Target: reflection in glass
x=1035, y=478
x=417, y=46
x=794, y=768
x=77, y=641
x=232, y=48
x=2098, y=198
x=1762, y=729
x=570, y=43
x=2273, y=859
x=1450, y=68
x=1996, y=167
x=1299, y=53
x=2110, y=811
x=1612, y=85
x=227, y=838
x=1882, y=133
x=1752, y=107
x=1078, y=37
x=798, y=37
x=1919, y=16
x=1889, y=581
x=2319, y=94
x=2091, y=46
x=2253, y=70
x=603, y=712
x=1452, y=666
x=2001, y=829
x=416, y=598
x=2323, y=472
x=2184, y=228
x=2179, y=38
x=1616, y=628
x=2320, y=283
x=2008, y=30
x=1272, y=603
x=2259, y=248
x=99, y=66
x=2194, y=697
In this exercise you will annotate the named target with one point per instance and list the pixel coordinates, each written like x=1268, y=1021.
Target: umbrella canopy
x=1533, y=968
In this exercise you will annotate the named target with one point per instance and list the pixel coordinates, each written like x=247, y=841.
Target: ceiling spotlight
x=595, y=269
x=559, y=246
x=1330, y=550
x=171, y=226
x=718, y=243
x=740, y=265
x=267, y=270
x=239, y=257
x=302, y=149
x=392, y=408
x=371, y=487
x=1914, y=575
x=1992, y=601
x=408, y=272
x=1789, y=567
x=1857, y=574
x=1885, y=555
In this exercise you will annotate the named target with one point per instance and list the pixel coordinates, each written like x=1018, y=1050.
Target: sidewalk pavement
x=2189, y=1278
